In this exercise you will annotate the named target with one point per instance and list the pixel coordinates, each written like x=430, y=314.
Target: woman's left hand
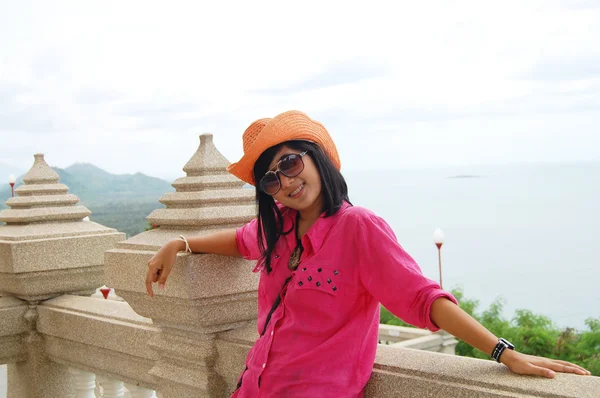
x=537, y=366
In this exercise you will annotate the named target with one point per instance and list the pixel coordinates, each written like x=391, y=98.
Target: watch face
x=508, y=343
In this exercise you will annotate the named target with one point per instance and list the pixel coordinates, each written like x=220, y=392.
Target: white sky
x=129, y=85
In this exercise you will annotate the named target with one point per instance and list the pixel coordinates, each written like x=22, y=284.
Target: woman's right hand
x=160, y=265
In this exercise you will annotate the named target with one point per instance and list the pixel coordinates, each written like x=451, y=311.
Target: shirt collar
x=317, y=232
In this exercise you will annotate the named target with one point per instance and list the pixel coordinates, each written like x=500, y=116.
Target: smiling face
x=302, y=192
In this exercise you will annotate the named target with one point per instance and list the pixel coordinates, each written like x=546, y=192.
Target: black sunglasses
x=289, y=166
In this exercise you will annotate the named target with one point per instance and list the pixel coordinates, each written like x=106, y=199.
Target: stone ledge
x=100, y=336
x=42, y=189
x=152, y=240
x=204, y=216
x=35, y=286
x=397, y=334
x=31, y=232
x=217, y=198
x=412, y=373
x=196, y=276
x=53, y=254
x=45, y=214
x=437, y=342
x=23, y=202
x=106, y=324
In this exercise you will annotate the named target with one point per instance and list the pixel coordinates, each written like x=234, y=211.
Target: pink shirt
x=322, y=338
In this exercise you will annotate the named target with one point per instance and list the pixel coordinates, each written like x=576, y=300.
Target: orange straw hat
x=265, y=133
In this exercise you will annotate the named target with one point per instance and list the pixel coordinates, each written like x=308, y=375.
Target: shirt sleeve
x=392, y=276
x=246, y=238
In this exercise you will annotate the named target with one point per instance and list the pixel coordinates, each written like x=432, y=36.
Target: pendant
x=295, y=259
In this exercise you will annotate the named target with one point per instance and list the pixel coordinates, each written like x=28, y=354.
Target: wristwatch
x=502, y=345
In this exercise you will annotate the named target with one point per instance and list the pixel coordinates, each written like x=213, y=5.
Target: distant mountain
x=94, y=185
x=120, y=201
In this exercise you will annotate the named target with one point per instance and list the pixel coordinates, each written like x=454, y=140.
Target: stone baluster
x=139, y=392
x=205, y=294
x=46, y=250
x=85, y=383
x=111, y=388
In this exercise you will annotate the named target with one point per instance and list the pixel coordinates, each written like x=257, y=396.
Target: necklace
x=297, y=253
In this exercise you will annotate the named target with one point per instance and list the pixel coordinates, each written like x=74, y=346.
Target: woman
x=325, y=268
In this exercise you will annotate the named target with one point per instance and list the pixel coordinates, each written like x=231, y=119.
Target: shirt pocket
x=318, y=278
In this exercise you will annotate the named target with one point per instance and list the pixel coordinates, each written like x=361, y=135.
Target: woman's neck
x=312, y=213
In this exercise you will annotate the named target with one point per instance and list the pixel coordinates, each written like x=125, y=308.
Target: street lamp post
x=438, y=238
x=11, y=181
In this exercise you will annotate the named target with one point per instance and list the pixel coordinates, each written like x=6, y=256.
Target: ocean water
x=528, y=233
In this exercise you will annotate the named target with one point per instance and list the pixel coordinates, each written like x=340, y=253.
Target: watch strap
x=501, y=346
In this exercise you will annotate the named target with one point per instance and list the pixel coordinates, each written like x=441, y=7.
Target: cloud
x=557, y=68
x=337, y=73
x=82, y=83
x=583, y=5
x=164, y=114
x=96, y=96
x=22, y=111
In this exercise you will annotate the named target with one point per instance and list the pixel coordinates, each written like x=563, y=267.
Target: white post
x=85, y=383
x=111, y=388
x=139, y=392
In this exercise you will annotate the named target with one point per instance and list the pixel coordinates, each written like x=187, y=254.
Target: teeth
x=297, y=190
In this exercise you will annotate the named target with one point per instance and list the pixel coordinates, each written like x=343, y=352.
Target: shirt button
x=272, y=333
x=264, y=365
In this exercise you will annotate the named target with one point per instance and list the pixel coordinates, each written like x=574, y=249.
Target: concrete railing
x=190, y=340
x=399, y=336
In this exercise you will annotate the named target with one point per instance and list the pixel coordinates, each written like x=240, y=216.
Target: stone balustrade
x=399, y=336
x=191, y=339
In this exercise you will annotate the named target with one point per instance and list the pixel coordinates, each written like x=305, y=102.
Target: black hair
x=334, y=191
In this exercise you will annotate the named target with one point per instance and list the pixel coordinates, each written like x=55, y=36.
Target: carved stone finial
x=207, y=196
x=42, y=199
x=48, y=249
x=40, y=172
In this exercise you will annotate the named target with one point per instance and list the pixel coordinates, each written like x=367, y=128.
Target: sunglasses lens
x=270, y=184
x=291, y=165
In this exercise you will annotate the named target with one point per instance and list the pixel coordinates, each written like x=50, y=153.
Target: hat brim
x=288, y=126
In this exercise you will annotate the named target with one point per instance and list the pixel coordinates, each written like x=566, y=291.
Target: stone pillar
x=46, y=250
x=205, y=294
x=12, y=347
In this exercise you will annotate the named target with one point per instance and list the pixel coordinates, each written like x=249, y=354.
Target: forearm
x=221, y=242
x=450, y=317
